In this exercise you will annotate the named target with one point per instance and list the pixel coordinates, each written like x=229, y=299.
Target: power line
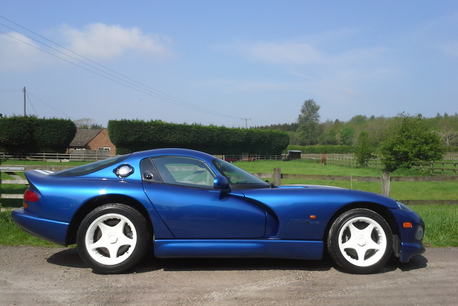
x=31, y=104
x=53, y=108
x=106, y=72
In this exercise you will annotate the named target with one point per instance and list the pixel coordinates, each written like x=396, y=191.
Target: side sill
x=224, y=248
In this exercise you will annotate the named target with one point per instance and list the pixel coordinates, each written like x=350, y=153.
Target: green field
x=399, y=190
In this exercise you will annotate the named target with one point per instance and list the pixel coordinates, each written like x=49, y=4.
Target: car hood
x=306, y=195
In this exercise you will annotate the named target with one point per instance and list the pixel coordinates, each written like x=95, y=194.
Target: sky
x=227, y=62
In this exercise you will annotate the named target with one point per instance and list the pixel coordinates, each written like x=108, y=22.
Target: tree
x=308, y=121
x=376, y=128
x=448, y=134
x=358, y=119
x=346, y=135
x=328, y=138
x=87, y=123
x=364, y=149
x=408, y=139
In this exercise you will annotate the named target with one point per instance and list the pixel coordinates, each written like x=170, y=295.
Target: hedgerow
x=34, y=135
x=136, y=135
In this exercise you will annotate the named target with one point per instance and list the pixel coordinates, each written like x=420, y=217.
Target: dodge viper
x=186, y=203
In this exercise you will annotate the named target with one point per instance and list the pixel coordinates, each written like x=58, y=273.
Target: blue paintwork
x=207, y=222
x=49, y=230
x=205, y=248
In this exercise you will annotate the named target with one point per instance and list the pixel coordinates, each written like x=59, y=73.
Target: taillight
x=30, y=196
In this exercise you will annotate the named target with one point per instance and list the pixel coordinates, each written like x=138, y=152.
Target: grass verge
x=11, y=234
x=441, y=224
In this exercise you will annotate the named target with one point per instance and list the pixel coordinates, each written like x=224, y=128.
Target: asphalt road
x=50, y=276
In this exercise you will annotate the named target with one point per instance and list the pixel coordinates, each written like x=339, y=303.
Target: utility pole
x=25, y=112
x=246, y=122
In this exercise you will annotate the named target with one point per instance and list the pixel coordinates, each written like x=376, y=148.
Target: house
x=92, y=139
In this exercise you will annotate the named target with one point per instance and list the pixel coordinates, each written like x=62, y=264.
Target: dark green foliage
x=325, y=149
x=408, y=140
x=286, y=127
x=364, y=149
x=33, y=135
x=308, y=121
x=16, y=134
x=135, y=135
x=53, y=135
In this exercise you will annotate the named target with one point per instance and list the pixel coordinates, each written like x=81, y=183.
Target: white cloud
x=18, y=52
x=96, y=41
x=102, y=41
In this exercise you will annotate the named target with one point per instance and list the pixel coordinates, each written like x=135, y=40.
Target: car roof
x=173, y=152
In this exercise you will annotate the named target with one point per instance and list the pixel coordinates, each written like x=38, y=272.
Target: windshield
x=237, y=177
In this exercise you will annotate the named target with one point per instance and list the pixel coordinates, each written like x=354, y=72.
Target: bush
x=408, y=140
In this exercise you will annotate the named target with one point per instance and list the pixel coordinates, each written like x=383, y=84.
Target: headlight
x=419, y=232
x=404, y=207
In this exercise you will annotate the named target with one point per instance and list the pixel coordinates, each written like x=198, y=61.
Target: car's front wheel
x=113, y=238
x=360, y=241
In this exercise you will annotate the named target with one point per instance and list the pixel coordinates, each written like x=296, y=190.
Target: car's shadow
x=70, y=258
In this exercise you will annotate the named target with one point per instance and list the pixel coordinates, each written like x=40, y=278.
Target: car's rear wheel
x=360, y=241
x=113, y=238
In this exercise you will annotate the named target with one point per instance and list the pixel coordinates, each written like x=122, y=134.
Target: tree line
x=308, y=130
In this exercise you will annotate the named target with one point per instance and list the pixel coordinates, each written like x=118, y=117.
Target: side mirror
x=221, y=183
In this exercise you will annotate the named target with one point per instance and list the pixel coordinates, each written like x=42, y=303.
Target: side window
x=149, y=172
x=184, y=171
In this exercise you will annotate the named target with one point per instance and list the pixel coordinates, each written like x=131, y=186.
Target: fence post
x=386, y=183
x=277, y=176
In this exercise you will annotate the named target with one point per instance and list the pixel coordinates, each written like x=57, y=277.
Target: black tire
x=360, y=241
x=113, y=238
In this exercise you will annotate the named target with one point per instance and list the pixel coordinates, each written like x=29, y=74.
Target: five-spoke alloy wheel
x=112, y=238
x=360, y=241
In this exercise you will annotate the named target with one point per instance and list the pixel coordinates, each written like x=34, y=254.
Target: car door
x=181, y=190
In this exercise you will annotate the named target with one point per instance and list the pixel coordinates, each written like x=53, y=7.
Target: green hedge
x=33, y=135
x=135, y=135
x=16, y=134
x=324, y=149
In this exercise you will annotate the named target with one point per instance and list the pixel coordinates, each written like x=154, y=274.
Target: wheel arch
x=99, y=201
x=379, y=209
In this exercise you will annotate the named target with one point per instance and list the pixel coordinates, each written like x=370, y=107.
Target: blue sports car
x=187, y=203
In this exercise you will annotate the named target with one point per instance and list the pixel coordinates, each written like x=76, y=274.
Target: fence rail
x=442, y=168
x=11, y=171
x=74, y=155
